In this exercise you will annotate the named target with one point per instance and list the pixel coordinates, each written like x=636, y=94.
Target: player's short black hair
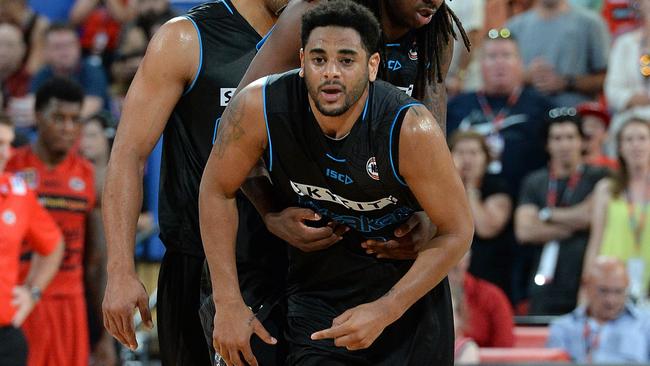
x=347, y=14
x=60, y=88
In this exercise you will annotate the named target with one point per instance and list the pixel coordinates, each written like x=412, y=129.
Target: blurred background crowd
x=548, y=122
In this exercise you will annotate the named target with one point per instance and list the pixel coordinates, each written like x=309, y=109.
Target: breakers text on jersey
x=324, y=194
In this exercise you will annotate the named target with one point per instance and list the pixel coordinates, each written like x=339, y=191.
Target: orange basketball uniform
x=21, y=217
x=57, y=329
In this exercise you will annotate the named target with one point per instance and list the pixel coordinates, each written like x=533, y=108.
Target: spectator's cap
x=594, y=109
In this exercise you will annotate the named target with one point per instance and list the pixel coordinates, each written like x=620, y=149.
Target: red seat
x=517, y=355
x=530, y=337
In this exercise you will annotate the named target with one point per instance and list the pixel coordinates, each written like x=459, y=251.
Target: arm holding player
x=432, y=181
x=241, y=140
x=164, y=73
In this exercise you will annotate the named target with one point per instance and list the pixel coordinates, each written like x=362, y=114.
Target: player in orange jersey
x=21, y=217
x=57, y=330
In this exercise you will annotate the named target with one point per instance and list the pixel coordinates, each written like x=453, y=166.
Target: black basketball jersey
x=402, y=63
x=359, y=184
x=227, y=46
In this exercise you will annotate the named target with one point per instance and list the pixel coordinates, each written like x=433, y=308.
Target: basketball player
x=332, y=116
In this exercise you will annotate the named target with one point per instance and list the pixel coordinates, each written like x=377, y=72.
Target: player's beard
x=349, y=97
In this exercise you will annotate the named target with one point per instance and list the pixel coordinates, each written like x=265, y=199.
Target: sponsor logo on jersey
x=408, y=91
x=225, y=94
x=413, y=53
x=77, y=184
x=394, y=65
x=18, y=186
x=324, y=194
x=9, y=217
x=30, y=176
x=371, y=168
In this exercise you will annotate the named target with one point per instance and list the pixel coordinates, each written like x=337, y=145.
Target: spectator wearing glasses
x=627, y=84
x=553, y=215
x=564, y=49
x=607, y=329
x=620, y=220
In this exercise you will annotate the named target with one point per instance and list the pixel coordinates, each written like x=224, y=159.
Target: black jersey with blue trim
x=402, y=63
x=359, y=184
x=227, y=46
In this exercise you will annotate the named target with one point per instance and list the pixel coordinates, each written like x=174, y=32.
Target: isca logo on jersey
x=225, y=94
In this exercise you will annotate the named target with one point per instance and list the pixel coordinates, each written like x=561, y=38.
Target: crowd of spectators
x=548, y=123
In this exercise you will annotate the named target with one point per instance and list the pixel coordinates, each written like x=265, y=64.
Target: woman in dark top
x=491, y=209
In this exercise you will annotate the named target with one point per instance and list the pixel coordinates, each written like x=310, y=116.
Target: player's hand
x=359, y=327
x=23, y=302
x=289, y=225
x=409, y=238
x=234, y=324
x=124, y=293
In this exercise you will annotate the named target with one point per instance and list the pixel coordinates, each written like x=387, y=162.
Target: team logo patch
x=413, y=53
x=9, y=217
x=77, y=184
x=371, y=168
x=30, y=176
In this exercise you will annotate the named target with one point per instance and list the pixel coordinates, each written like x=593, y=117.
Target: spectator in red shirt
x=57, y=331
x=21, y=217
x=490, y=316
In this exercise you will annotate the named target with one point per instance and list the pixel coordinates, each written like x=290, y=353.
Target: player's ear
x=373, y=66
x=302, y=63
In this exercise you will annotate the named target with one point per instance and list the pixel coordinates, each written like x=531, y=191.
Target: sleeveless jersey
x=356, y=182
x=359, y=185
x=402, y=63
x=227, y=46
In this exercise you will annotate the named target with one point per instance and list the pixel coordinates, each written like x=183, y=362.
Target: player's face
x=6, y=137
x=412, y=13
x=564, y=143
x=59, y=125
x=336, y=69
x=634, y=143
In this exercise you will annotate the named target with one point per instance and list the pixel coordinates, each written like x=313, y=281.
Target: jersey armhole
x=198, y=71
x=266, y=122
x=393, y=142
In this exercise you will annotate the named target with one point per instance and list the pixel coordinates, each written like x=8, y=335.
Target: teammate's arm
x=435, y=93
x=168, y=67
x=437, y=187
x=241, y=140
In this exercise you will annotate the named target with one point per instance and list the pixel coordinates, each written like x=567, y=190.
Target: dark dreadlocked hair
x=431, y=39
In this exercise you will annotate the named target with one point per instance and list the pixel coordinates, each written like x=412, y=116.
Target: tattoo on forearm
x=230, y=128
x=251, y=319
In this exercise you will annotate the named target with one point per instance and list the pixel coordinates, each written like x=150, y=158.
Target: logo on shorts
x=371, y=168
x=225, y=95
x=9, y=217
x=77, y=184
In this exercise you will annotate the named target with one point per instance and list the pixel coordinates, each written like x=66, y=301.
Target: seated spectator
x=491, y=208
x=33, y=27
x=595, y=121
x=489, y=319
x=63, y=58
x=565, y=50
x=606, y=329
x=14, y=77
x=127, y=60
x=626, y=84
x=553, y=215
x=95, y=145
x=465, y=349
x=620, y=220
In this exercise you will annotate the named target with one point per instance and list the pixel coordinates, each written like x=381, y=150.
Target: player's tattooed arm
x=230, y=128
